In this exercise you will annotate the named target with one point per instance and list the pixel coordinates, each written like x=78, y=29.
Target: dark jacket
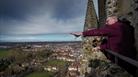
x=120, y=37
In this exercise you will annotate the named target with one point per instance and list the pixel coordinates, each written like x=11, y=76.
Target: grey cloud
x=60, y=8
x=41, y=16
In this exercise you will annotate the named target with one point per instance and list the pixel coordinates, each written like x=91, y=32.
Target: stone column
x=127, y=9
x=91, y=21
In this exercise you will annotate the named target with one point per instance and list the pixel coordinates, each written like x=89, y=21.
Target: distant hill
x=46, y=42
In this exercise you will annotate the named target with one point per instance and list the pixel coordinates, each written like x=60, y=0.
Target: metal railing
x=127, y=59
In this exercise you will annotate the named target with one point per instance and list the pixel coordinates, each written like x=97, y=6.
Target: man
x=119, y=36
x=112, y=30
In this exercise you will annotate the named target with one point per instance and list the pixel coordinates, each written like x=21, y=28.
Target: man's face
x=110, y=21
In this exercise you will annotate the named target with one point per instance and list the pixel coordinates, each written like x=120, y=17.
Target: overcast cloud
x=41, y=16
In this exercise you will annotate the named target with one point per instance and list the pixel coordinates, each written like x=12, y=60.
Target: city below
x=40, y=59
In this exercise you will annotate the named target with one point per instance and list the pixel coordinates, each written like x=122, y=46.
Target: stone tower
x=106, y=8
x=91, y=17
x=102, y=11
x=123, y=9
x=127, y=9
x=91, y=21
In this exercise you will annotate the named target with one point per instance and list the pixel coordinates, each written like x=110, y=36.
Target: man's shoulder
x=119, y=23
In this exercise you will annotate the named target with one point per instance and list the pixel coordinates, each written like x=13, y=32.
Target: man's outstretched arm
x=94, y=32
x=97, y=32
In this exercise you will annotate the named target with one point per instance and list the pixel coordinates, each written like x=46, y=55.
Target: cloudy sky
x=20, y=17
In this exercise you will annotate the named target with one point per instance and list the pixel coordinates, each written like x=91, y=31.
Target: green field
x=4, y=52
x=40, y=74
x=56, y=62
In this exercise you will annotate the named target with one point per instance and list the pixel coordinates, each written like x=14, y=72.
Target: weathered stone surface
x=102, y=12
x=90, y=22
x=124, y=9
x=106, y=69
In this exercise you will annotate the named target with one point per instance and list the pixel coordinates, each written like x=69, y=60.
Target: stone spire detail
x=91, y=17
x=91, y=21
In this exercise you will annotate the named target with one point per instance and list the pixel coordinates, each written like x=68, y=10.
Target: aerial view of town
x=36, y=59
